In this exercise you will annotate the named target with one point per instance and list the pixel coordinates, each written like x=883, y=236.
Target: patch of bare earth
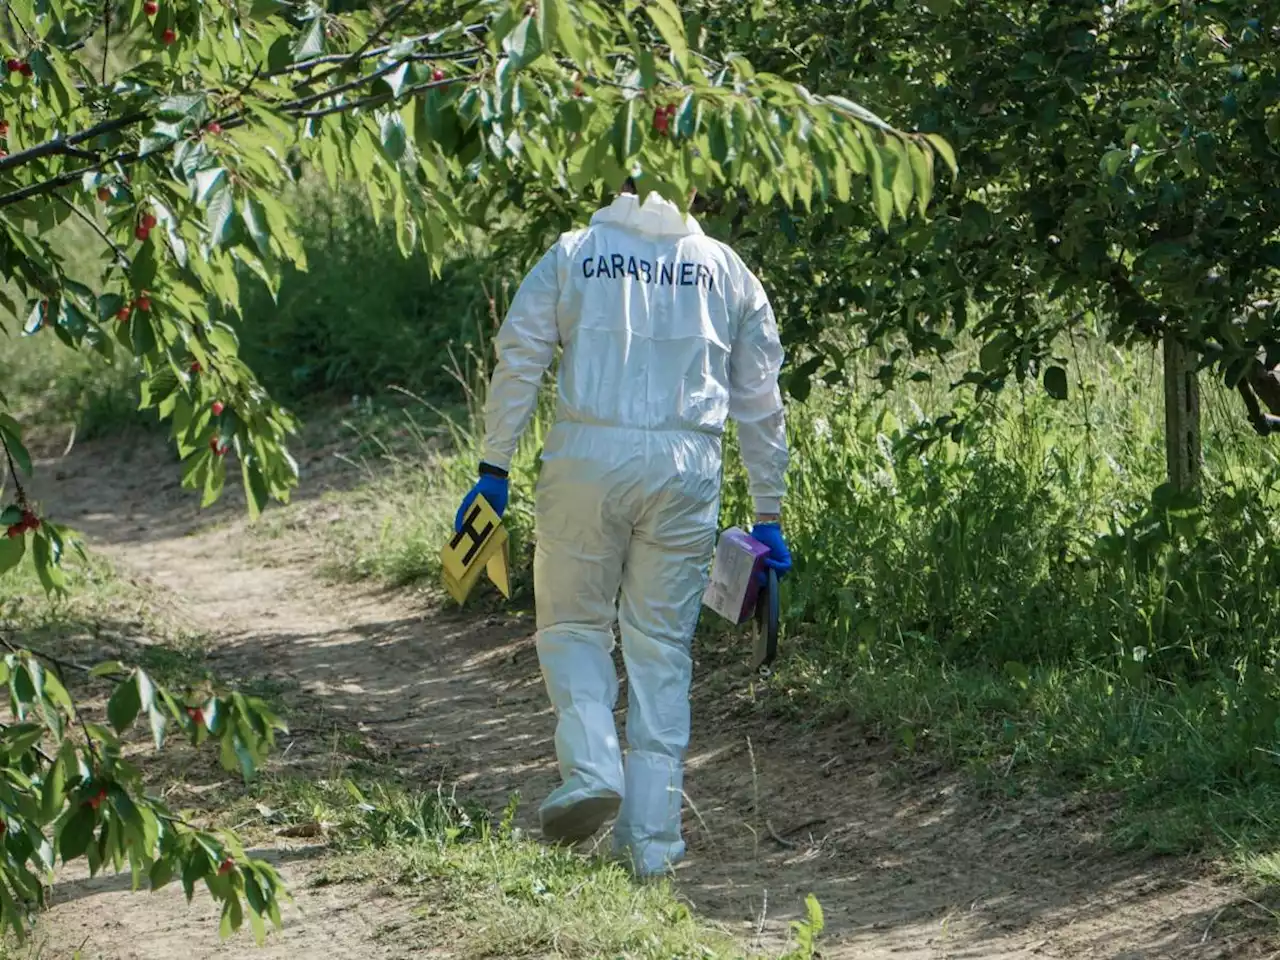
x=907, y=863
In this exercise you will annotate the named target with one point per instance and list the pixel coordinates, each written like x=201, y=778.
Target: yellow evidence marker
x=481, y=545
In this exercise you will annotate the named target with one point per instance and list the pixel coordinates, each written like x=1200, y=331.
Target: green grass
x=492, y=892
x=1022, y=605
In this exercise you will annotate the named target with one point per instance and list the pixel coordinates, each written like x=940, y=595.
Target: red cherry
x=169, y=36
x=213, y=444
x=195, y=367
x=437, y=74
x=142, y=232
x=25, y=69
x=196, y=715
x=148, y=221
x=96, y=800
x=226, y=867
x=15, y=531
x=144, y=303
x=671, y=109
x=217, y=408
x=122, y=313
x=151, y=8
x=215, y=128
x=104, y=194
x=4, y=128
x=30, y=521
x=14, y=64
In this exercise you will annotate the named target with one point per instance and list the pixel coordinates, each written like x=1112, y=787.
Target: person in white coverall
x=665, y=333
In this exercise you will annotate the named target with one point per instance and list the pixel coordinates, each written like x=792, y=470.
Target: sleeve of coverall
x=755, y=402
x=526, y=344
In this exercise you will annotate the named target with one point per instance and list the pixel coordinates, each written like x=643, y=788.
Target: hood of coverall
x=657, y=216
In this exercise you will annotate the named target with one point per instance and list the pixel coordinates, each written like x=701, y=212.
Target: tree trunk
x=1181, y=416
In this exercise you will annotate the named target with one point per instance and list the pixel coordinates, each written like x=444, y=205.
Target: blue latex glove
x=493, y=488
x=779, y=557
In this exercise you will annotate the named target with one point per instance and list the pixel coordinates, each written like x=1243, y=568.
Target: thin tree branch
x=62, y=144
x=121, y=257
x=373, y=38
x=304, y=65
x=13, y=18
x=106, y=38
x=13, y=472
x=373, y=100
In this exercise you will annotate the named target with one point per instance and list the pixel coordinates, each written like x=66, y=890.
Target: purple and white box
x=734, y=586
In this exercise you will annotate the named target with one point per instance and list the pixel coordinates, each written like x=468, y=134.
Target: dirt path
x=906, y=863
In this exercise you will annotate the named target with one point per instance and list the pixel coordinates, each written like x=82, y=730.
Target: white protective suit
x=665, y=333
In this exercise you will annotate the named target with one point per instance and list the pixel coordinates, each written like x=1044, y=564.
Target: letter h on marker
x=480, y=546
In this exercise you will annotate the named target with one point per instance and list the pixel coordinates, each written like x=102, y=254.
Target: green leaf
x=12, y=550
x=107, y=668
x=183, y=106
x=51, y=578
x=158, y=724
x=394, y=140
x=232, y=916
x=53, y=790
x=1112, y=160
x=255, y=221
x=945, y=151
x=922, y=169
x=991, y=356
x=143, y=272
x=565, y=30
x=123, y=707
x=161, y=873
x=1055, y=383
x=310, y=39
x=76, y=833
x=626, y=137
x=881, y=193
x=666, y=17
x=902, y=182
x=687, y=117
x=220, y=212
x=523, y=44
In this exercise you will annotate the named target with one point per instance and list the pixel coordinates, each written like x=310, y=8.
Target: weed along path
x=907, y=862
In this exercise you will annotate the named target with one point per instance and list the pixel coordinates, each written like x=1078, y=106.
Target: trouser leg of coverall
x=581, y=546
x=663, y=582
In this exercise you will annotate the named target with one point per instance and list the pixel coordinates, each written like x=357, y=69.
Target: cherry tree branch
x=67, y=145
x=292, y=109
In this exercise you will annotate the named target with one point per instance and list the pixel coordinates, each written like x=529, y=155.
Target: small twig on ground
x=1212, y=921
x=774, y=833
x=764, y=916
